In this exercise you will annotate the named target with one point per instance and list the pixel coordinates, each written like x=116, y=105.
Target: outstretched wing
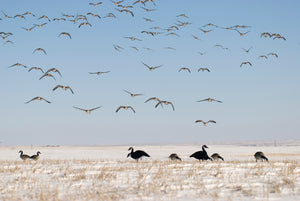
x=95, y=108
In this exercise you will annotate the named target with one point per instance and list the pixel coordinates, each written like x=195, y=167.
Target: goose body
x=217, y=156
x=23, y=156
x=260, y=156
x=35, y=157
x=136, y=155
x=201, y=155
x=174, y=157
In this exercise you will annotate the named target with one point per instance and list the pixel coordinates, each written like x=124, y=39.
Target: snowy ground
x=104, y=173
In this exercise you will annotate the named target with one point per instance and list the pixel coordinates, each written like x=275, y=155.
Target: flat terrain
x=104, y=173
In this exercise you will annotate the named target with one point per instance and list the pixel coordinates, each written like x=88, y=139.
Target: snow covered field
x=104, y=173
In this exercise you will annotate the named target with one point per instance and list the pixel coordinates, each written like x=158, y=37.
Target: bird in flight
x=205, y=122
x=205, y=31
x=95, y=4
x=246, y=62
x=38, y=98
x=263, y=56
x=153, y=98
x=184, y=68
x=203, y=69
x=40, y=49
x=131, y=94
x=147, y=9
x=118, y=48
x=44, y=17
x=241, y=34
x=87, y=111
x=66, y=34
x=36, y=68
x=47, y=75
x=151, y=68
x=40, y=25
x=29, y=29
x=182, y=15
x=54, y=70
x=274, y=54
x=99, y=73
x=247, y=50
x=84, y=24
x=166, y=103
x=63, y=87
x=133, y=38
x=195, y=37
x=94, y=15
x=125, y=108
x=17, y=64
x=210, y=100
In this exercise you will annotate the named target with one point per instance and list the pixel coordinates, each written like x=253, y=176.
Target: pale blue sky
x=259, y=102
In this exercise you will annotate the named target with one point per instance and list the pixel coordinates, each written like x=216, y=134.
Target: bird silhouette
x=205, y=123
x=125, y=108
x=132, y=94
x=184, y=68
x=40, y=50
x=63, y=87
x=66, y=34
x=38, y=98
x=151, y=68
x=166, y=103
x=210, y=100
x=201, y=155
x=246, y=62
x=88, y=111
x=36, y=156
x=174, y=157
x=136, y=155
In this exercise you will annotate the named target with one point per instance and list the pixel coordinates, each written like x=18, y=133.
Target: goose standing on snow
x=201, y=155
x=217, y=156
x=35, y=157
x=260, y=156
x=23, y=156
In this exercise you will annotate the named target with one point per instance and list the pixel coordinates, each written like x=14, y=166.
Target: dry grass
x=128, y=180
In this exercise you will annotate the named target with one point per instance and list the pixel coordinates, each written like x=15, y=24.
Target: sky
x=259, y=102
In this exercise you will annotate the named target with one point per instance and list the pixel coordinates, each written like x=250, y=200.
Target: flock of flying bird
x=82, y=20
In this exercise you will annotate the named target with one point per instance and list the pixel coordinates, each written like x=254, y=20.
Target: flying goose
x=133, y=38
x=263, y=56
x=117, y=2
x=241, y=34
x=195, y=37
x=38, y=98
x=54, y=70
x=40, y=25
x=44, y=17
x=36, y=68
x=247, y=50
x=147, y=9
x=66, y=34
x=47, y=75
x=63, y=87
x=209, y=100
x=94, y=15
x=182, y=15
x=35, y=157
x=205, y=123
x=205, y=31
x=203, y=69
x=23, y=156
x=136, y=155
x=125, y=108
x=99, y=73
x=184, y=68
x=95, y=4
x=210, y=24
x=274, y=54
x=29, y=29
x=153, y=98
x=131, y=94
x=166, y=103
x=87, y=111
x=17, y=64
x=84, y=24
x=151, y=68
x=246, y=62
x=40, y=49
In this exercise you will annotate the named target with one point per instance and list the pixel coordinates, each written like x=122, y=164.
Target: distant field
x=104, y=173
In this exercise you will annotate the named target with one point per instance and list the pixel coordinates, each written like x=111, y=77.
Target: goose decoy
x=35, y=157
x=131, y=94
x=217, y=156
x=23, y=156
x=63, y=87
x=205, y=122
x=209, y=100
x=136, y=155
x=87, y=111
x=260, y=156
x=201, y=155
x=38, y=98
x=246, y=62
x=174, y=157
x=125, y=108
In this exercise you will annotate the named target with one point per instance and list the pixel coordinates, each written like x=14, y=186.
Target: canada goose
x=148, y=20
x=210, y=100
x=174, y=157
x=54, y=70
x=95, y=4
x=125, y=108
x=66, y=34
x=84, y=24
x=263, y=56
x=184, y=68
x=241, y=34
x=40, y=25
x=148, y=10
x=35, y=157
x=274, y=54
x=63, y=87
x=94, y=15
x=139, y=1
x=38, y=98
x=182, y=24
x=28, y=13
x=44, y=17
x=173, y=34
x=166, y=103
x=210, y=24
x=133, y=38
x=110, y=15
x=153, y=98
x=247, y=50
x=151, y=68
x=203, y=69
x=59, y=19
x=260, y=156
x=265, y=34
x=29, y=29
x=87, y=111
x=201, y=155
x=124, y=7
x=150, y=1
x=182, y=15
x=136, y=155
x=36, y=68
x=246, y=62
x=205, y=123
x=47, y=75
x=99, y=73
x=23, y=156
x=126, y=11
x=17, y=64
x=205, y=31
x=117, y=2
x=19, y=16
x=217, y=156
x=174, y=27
x=40, y=49
x=131, y=94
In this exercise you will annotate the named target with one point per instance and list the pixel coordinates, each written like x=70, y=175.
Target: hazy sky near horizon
x=260, y=102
